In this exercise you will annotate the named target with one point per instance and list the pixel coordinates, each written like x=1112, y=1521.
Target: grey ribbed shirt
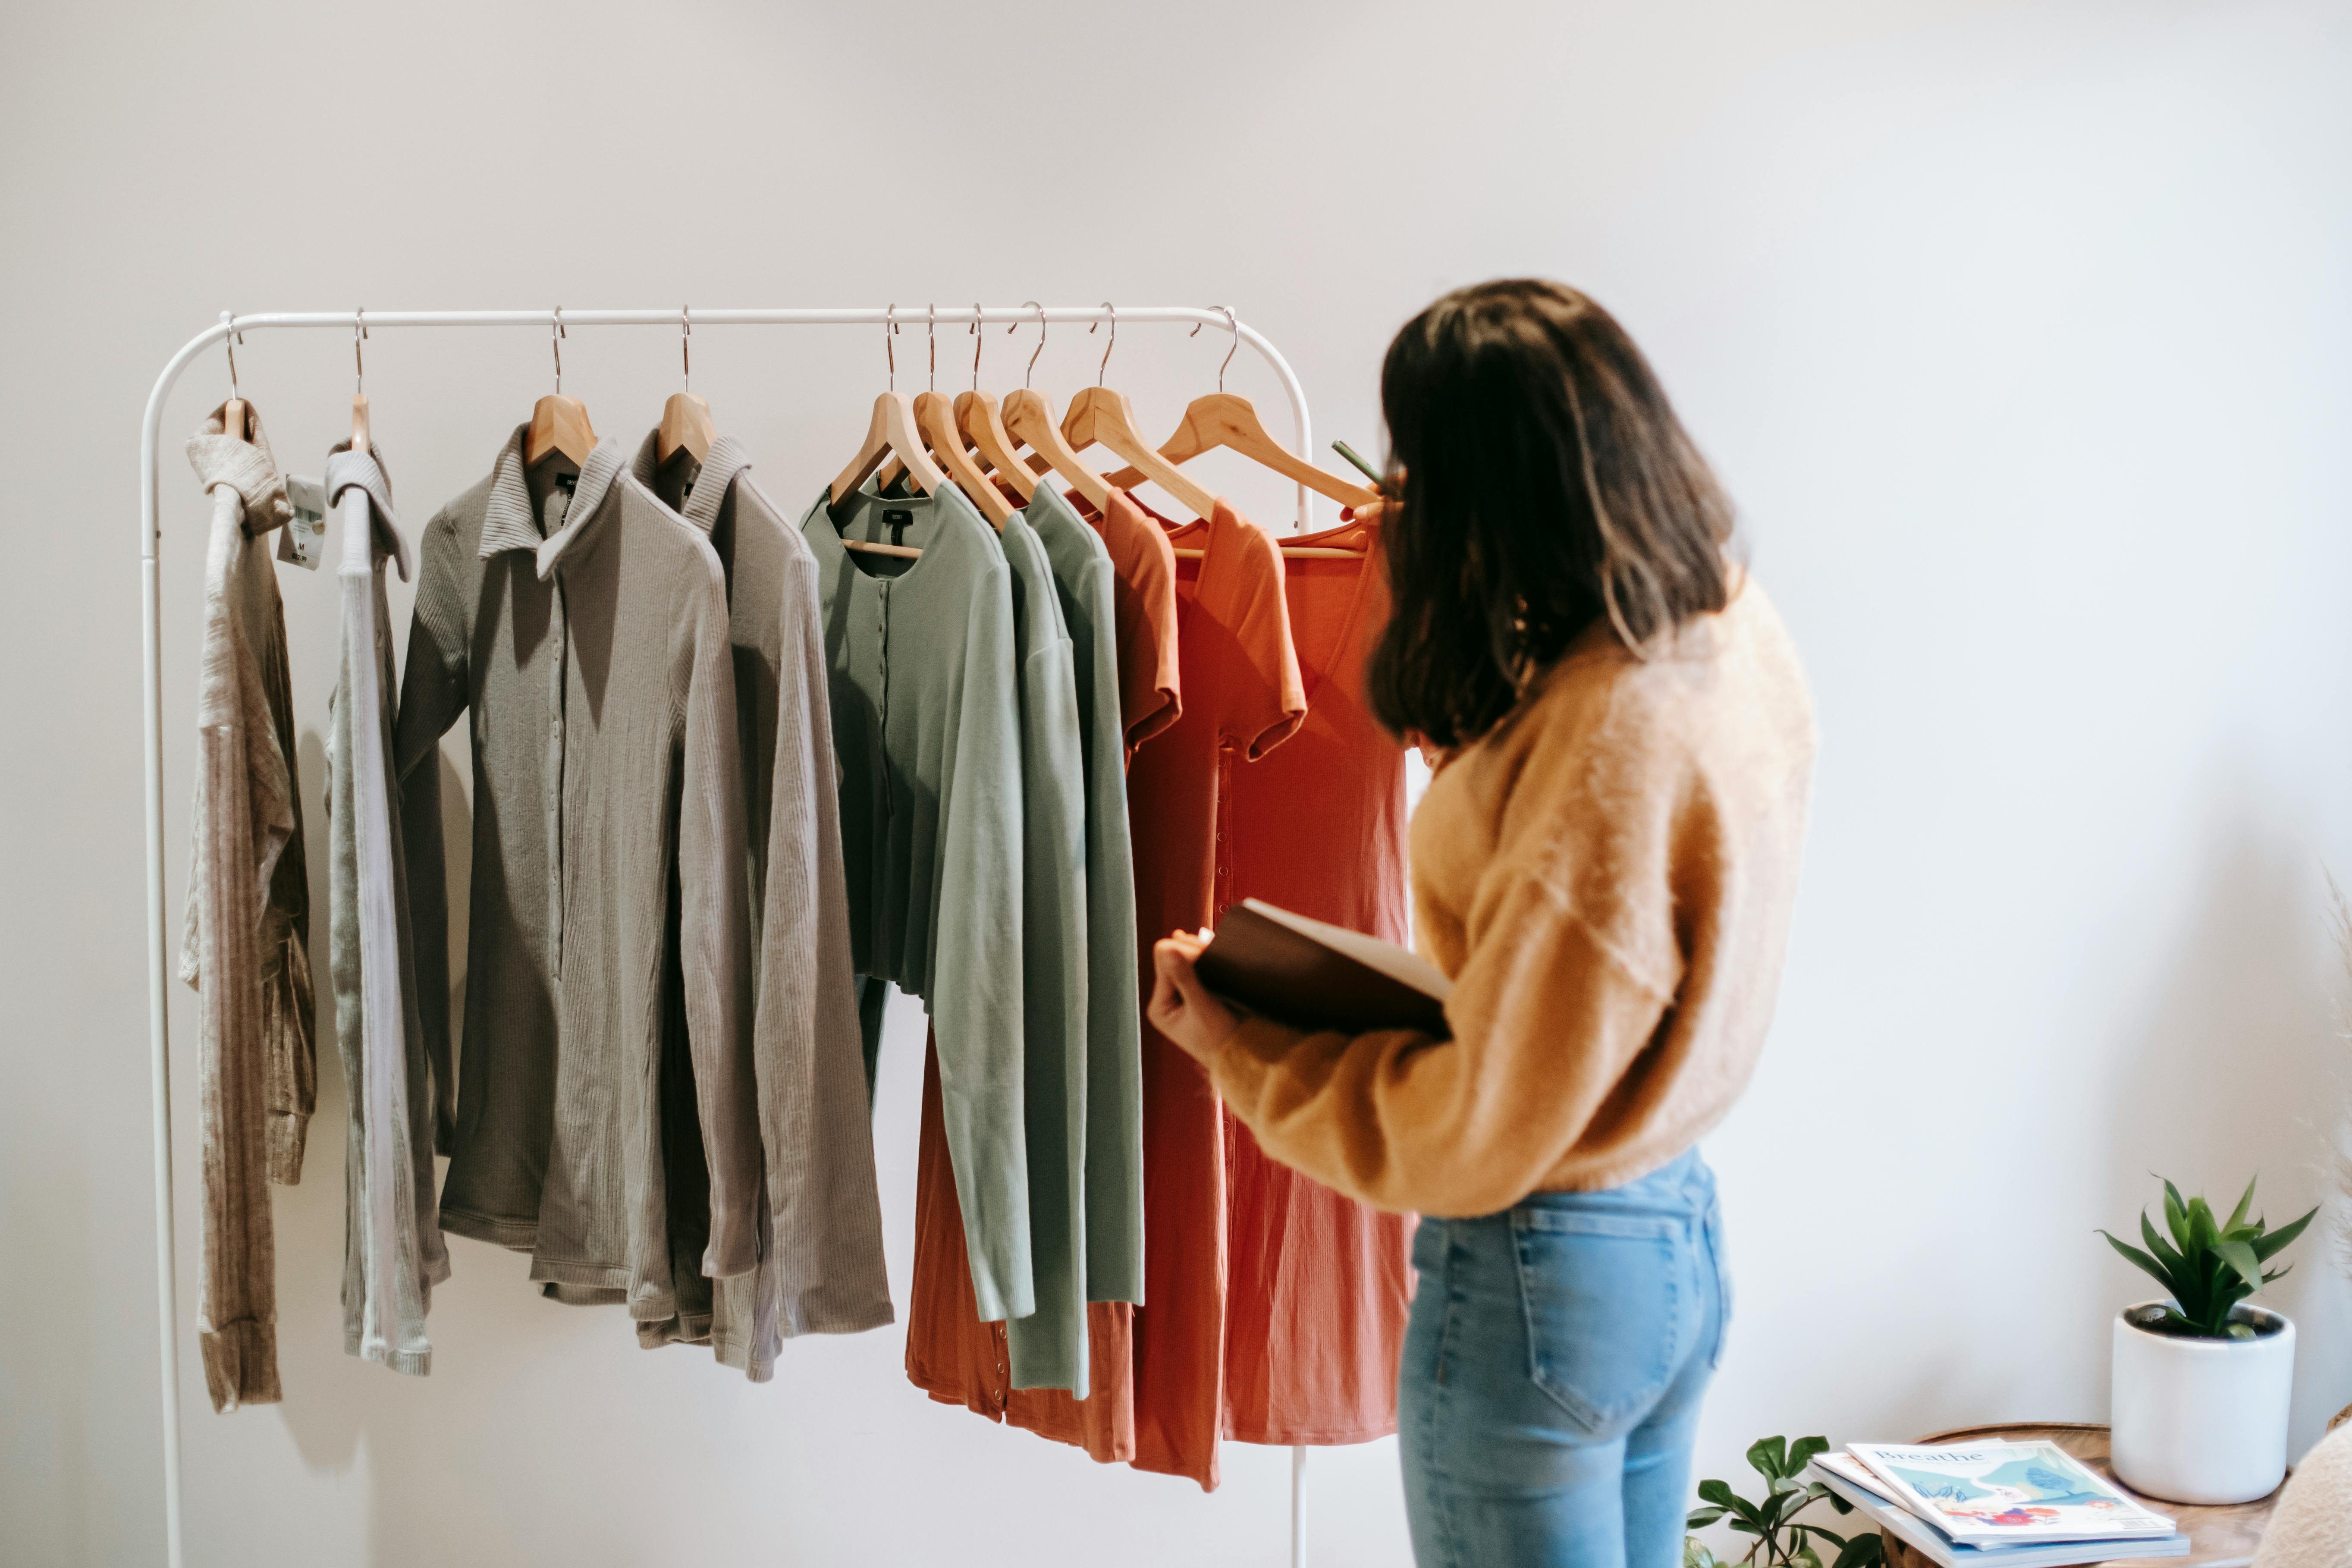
x=245, y=945
x=392, y=1250
x=610, y=905
x=927, y=720
x=821, y=1264
x=1114, y=1077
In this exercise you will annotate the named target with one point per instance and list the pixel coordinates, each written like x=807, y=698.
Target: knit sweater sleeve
x=1569, y=964
x=714, y=920
x=975, y=989
x=825, y=1208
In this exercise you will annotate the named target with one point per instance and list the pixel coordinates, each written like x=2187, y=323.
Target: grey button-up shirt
x=821, y=1265
x=610, y=904
x=926, y=718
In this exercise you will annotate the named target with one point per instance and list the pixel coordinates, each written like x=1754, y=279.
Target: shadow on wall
x=339, y=1407
x=2236, y=1071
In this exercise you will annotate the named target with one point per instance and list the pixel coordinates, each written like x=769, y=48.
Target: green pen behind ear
x=1349, y=452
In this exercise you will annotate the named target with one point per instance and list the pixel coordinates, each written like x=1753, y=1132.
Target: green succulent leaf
x=2139, y=1259
x=2176, y=1216
x=1718, y=1493
x=2161, y=1249
x=1770, y=1456
x=2240, y=1256
x=2238, y=1215
x=2271, y=1243
x=1802, y=1451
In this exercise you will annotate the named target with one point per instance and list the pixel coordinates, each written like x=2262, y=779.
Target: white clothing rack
x=151, y=674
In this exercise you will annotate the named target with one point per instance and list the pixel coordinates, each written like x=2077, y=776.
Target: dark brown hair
x=1545, y=484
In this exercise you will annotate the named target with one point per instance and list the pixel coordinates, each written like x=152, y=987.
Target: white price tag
x=304, y=540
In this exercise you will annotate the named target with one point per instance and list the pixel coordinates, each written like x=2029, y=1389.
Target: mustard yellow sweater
x=1607, y=877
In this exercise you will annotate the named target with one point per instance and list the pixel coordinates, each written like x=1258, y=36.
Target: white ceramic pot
x=2202, y=1421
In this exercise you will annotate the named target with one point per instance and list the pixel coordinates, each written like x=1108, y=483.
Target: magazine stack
x=2021, y=1504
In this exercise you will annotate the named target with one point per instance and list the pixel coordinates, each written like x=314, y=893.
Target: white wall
x=2019, y=330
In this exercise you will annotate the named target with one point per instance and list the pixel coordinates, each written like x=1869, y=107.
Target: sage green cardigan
x=927, y=731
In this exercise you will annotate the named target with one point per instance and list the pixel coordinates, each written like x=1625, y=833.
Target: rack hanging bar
x=151, y=681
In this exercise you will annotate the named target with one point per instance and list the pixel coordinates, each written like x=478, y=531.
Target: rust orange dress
x=1320, y=1285
x=1241, y=698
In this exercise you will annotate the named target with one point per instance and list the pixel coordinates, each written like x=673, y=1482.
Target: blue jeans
x=1550, y=1383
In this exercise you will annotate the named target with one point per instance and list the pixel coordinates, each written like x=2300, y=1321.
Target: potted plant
x=2202, y=1380
x=1781, y=1540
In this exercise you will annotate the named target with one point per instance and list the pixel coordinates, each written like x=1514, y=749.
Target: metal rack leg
x=159, y=1075
x=1298, y=1505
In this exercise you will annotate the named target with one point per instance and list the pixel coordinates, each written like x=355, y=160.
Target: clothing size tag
x=897, y=520
x=303, y=541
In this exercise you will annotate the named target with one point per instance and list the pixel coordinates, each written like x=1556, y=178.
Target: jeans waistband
x=1684, y=1185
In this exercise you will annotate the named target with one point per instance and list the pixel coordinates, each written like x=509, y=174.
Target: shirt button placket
x=557, y=673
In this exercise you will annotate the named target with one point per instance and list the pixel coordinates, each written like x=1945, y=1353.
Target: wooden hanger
x=935, y=418
x=359, y=382
x=234, y=413
x=1099, y=415
x=685, y=418
x=891, y=431
x=558, y=423
x=1028, y=420
x=942, y=433
x=978, y=421
x=1223, y=418
x=981, y=421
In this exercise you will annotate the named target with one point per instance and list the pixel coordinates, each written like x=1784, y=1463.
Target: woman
x=1604, y=866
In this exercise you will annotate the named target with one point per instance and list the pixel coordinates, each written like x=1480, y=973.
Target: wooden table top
x=2218, y=1537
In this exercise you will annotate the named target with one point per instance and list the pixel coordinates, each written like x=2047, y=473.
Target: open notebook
x=1313, y=975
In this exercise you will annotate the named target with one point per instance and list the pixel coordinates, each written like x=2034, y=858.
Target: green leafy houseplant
x=1783, y=1541
x=2209, y=1266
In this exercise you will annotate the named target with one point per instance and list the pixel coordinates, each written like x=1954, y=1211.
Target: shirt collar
x=708, y=491
x=345, y=469
x=588, y=496
x=508, y=523
x=246, y=466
